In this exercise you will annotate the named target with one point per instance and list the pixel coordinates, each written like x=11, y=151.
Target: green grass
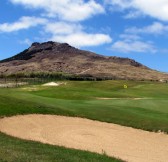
x=81, y=99
x=16, y=150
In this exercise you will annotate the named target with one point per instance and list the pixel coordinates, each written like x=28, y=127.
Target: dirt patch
x=10, y=85
x=126, y=143
x=31, y=88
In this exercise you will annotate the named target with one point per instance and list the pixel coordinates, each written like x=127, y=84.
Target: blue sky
x=135, y=29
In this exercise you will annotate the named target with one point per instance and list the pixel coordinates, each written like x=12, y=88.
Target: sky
x=136, y=29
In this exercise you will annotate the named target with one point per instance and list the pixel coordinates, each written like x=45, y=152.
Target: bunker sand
x=54, y=84
x=105, y=98
x=126, y=143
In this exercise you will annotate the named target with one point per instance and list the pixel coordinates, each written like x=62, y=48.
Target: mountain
x=61, y=57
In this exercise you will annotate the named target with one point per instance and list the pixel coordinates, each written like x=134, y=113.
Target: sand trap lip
x=126, y=143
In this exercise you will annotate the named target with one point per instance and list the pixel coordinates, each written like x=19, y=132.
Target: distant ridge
x=61, y=57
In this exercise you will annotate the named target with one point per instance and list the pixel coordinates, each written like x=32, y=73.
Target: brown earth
x=126, y=143
x=61, y=57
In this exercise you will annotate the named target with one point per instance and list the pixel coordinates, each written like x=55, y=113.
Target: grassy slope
x=79, y=99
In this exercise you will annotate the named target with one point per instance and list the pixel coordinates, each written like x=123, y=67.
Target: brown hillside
x=61, y=57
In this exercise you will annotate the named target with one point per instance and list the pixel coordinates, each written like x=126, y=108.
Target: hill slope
x=61, y=57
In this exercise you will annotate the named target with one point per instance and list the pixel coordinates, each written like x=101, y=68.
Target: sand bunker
x=54, y=84
x=105, y=98
x=126, y=143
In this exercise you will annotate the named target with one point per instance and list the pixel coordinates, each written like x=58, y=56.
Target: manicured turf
x=85, y=99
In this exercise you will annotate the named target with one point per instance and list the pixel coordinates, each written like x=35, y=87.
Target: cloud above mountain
x=155, y=8
x=24, y=22
x=60, y=21
x=73, y=22
x=68, y=10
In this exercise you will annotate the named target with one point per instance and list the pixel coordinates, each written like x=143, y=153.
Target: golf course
x=137, y=105
x=84, y=81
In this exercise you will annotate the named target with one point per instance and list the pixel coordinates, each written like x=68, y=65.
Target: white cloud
x=120, y=4
x=126, y=46
x=66, y=28
x=131, y=41
x=133, y=15
x=26, y=42
x=75, y=35
x=154, y=8
x=22, y=23
x=155, y=28
x=63, y=28
x=83, y=39
x=129, y=37
x=69, y=10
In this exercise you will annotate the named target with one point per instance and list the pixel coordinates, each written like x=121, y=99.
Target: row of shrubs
x=56, y=76
x=59, y=76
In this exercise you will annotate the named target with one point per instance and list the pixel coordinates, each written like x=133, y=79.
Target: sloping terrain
x=61, y=57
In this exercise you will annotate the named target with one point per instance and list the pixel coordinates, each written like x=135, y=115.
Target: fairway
x=141, y=105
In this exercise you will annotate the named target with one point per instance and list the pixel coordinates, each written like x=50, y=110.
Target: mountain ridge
x=61, y=57
x=62, y=47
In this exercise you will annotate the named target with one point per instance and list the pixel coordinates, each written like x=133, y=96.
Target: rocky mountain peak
x=37, y=48
x=50, y=45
